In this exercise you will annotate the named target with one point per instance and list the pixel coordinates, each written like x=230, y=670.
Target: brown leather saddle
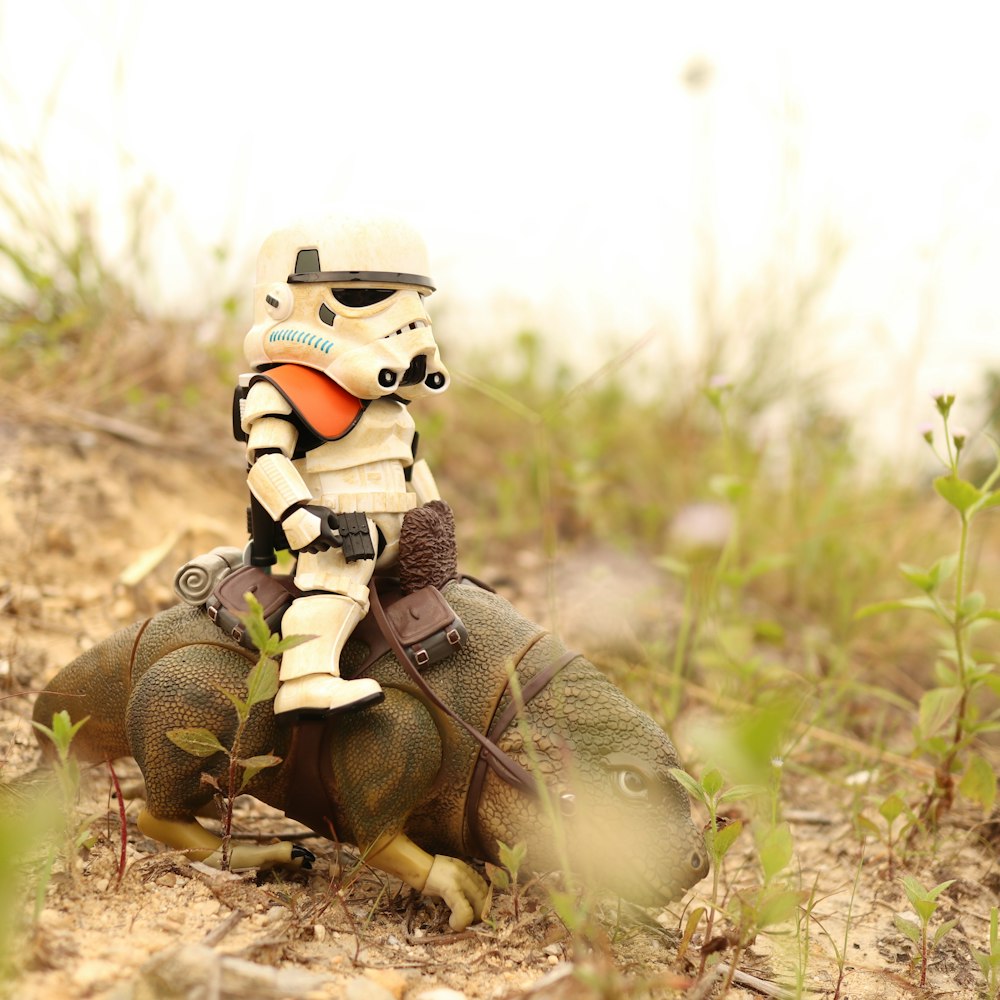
x=422, y=622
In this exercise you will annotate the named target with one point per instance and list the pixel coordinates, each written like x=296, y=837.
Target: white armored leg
x=310, y=673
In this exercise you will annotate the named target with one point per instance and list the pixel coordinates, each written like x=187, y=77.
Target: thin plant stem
x=122, y=824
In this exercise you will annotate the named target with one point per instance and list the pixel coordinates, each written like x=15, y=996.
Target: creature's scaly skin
x=397, y=775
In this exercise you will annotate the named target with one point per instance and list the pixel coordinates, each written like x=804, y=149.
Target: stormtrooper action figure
x=341, y=343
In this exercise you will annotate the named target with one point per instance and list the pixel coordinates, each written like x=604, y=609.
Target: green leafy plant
x=60, y=735
x=261, y=686
x=37, y=813
x=989, y=961
x=840, y=949
x=505, y=876
x=924, y=903
x=770, y=903
x=767, y=902
x=77, y=834
x=949, y=716
x=719, y=836
x=891, y=808
x=29, y=824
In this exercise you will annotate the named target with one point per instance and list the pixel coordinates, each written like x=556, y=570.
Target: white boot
x=310, y=673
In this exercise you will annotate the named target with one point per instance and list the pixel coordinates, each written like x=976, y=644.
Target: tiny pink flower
x=944, y=399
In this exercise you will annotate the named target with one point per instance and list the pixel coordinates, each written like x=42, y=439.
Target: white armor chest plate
x=383, y=434
x=365, y=470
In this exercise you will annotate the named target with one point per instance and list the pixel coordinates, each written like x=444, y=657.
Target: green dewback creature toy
x=509, y=738
x=494, y=732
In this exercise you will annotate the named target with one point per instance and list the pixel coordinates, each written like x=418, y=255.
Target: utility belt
x=369, y=503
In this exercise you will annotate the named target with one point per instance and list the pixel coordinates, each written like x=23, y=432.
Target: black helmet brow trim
x=365, y=277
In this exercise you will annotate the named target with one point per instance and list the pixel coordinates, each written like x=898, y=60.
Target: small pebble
x=50, y=919
x=123, y=609
x=93, y=972
x=363, y=988
x=389, y=979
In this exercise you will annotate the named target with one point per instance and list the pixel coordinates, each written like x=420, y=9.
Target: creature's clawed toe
x=303, y=855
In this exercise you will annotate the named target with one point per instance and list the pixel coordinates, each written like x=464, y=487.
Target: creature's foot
x=466, y=894
x=326, y=694
x=202, y=845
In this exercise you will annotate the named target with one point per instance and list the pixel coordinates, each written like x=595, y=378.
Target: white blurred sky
x=558, y=166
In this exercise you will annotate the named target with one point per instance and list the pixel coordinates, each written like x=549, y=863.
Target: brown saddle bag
x=424, y=622
x=426, y=625
x=227, y=602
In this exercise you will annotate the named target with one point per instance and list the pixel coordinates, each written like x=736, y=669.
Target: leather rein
x=490, y=756
x=312, y=767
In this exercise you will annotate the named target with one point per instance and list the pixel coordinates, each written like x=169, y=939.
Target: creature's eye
x=631, y=783
x=355, y=298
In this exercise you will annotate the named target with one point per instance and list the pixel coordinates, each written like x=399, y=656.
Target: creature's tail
x=95, y=686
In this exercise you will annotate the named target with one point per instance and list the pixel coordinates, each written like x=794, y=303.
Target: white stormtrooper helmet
x=346, y=296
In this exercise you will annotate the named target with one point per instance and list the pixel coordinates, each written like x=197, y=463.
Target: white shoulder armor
x=263, y=400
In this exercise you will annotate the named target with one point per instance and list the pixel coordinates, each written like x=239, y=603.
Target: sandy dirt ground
x=92, y=527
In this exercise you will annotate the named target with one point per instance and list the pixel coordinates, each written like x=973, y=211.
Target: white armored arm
x=273, y=479
x=271, y=434
x=276, y=483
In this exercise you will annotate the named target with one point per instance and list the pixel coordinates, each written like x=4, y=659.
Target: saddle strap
x=520, y=696
x=506, y=767
x=310, y=782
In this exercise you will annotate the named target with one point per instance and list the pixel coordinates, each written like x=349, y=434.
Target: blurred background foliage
x=767, y=512
x=731, y=513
